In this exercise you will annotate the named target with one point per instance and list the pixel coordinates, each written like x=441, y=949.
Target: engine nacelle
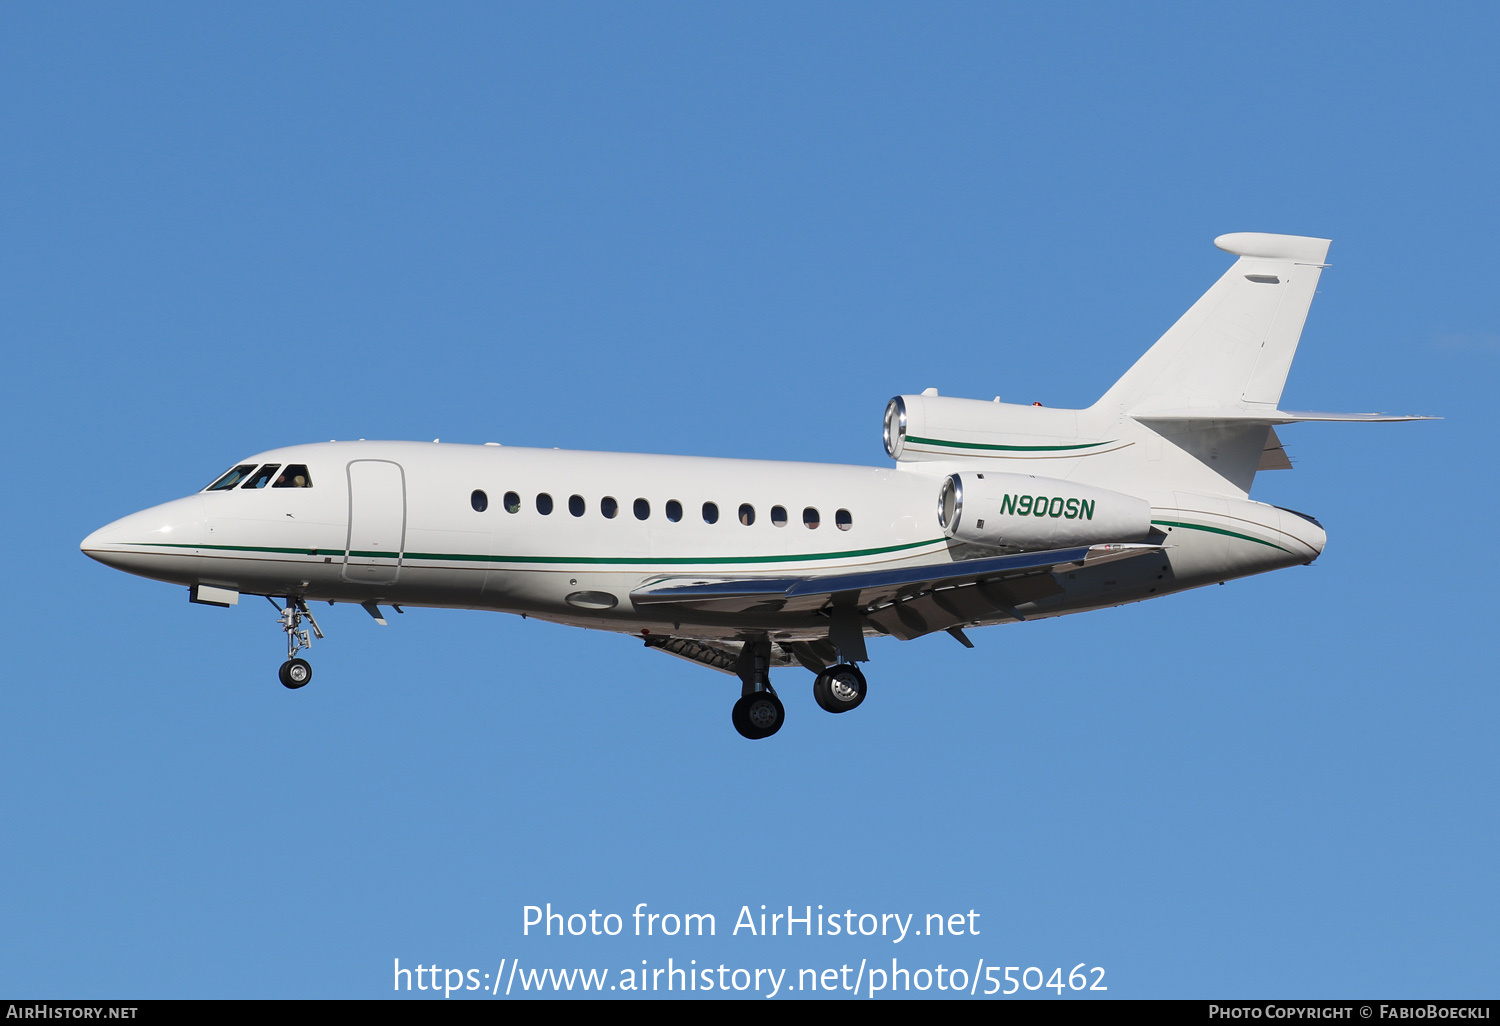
x=1019, y=511
x=930, y=427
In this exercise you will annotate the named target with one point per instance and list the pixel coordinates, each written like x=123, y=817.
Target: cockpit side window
x=262, y=477
x=232, y=478
x=294, y=476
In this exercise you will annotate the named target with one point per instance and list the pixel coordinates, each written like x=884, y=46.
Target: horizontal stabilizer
x=1249, y=416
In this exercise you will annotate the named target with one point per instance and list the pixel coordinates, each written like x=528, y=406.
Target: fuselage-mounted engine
x=1026, y=513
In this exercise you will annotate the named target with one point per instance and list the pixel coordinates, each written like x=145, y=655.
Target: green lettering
x=1039, y=506
x=1086, y=509
x=1055, y=508
x=1008, y=504
x=1071, y=510
x=1023, y=506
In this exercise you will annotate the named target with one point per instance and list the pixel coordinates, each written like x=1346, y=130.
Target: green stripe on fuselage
x=1219, y=530
x=464, y=557
x=1004, y=448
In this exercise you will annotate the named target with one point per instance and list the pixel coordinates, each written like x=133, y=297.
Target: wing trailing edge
x=904, y=601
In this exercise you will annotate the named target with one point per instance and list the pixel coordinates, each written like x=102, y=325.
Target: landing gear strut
x=296, y=672
x=839, y=688
x=758, y=713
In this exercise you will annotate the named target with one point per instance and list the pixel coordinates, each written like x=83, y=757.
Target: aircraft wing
x=906, y=601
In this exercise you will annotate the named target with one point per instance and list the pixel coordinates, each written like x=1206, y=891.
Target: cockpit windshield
x=246, y=476
x=232, y=478
x=262, y=477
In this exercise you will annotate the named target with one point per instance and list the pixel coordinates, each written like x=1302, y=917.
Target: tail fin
x=1233, y=348
x=1196, y=413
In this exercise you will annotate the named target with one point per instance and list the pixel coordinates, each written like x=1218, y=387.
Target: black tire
x=758, y=715
x=839, y=688
x=295, y=673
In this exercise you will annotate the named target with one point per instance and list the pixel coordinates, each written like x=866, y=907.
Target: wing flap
x=873, y=590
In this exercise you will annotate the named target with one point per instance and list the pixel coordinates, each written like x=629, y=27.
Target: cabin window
x=294, y=476
x=810, y=518
x=609, y=507
x=544, y=504
x=747, y=514
x=674, y=510
x=843, y=520
x=576, y=505
x=778, y=516
x=262, y=477
x=512, y=502
x=232, y=478
x=642, y=509
x=479, y=500
x=710, y=513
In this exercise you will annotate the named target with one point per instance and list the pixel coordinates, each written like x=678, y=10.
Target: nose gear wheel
x=295, y=673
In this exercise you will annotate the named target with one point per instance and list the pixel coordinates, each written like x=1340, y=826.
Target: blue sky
x=738, y=230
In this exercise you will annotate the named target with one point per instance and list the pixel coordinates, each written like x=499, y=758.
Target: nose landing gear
x=296, y=672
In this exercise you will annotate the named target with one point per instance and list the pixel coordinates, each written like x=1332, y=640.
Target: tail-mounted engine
x=931, y=427
x=1018, y=511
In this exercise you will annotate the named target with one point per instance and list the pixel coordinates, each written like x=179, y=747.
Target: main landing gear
x=839, y=688
x=759, y=712
x=296, y=672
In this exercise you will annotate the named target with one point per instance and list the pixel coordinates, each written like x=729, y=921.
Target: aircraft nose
x=136, y=542
x=107, y=541
x=96, y=541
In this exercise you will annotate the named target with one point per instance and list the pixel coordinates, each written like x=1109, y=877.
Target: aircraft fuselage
x=463, y=526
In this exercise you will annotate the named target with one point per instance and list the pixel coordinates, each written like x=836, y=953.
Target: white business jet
x=993, y=513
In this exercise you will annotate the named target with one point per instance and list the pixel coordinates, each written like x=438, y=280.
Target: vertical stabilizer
x=1233, y=348
x=1196, y=414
